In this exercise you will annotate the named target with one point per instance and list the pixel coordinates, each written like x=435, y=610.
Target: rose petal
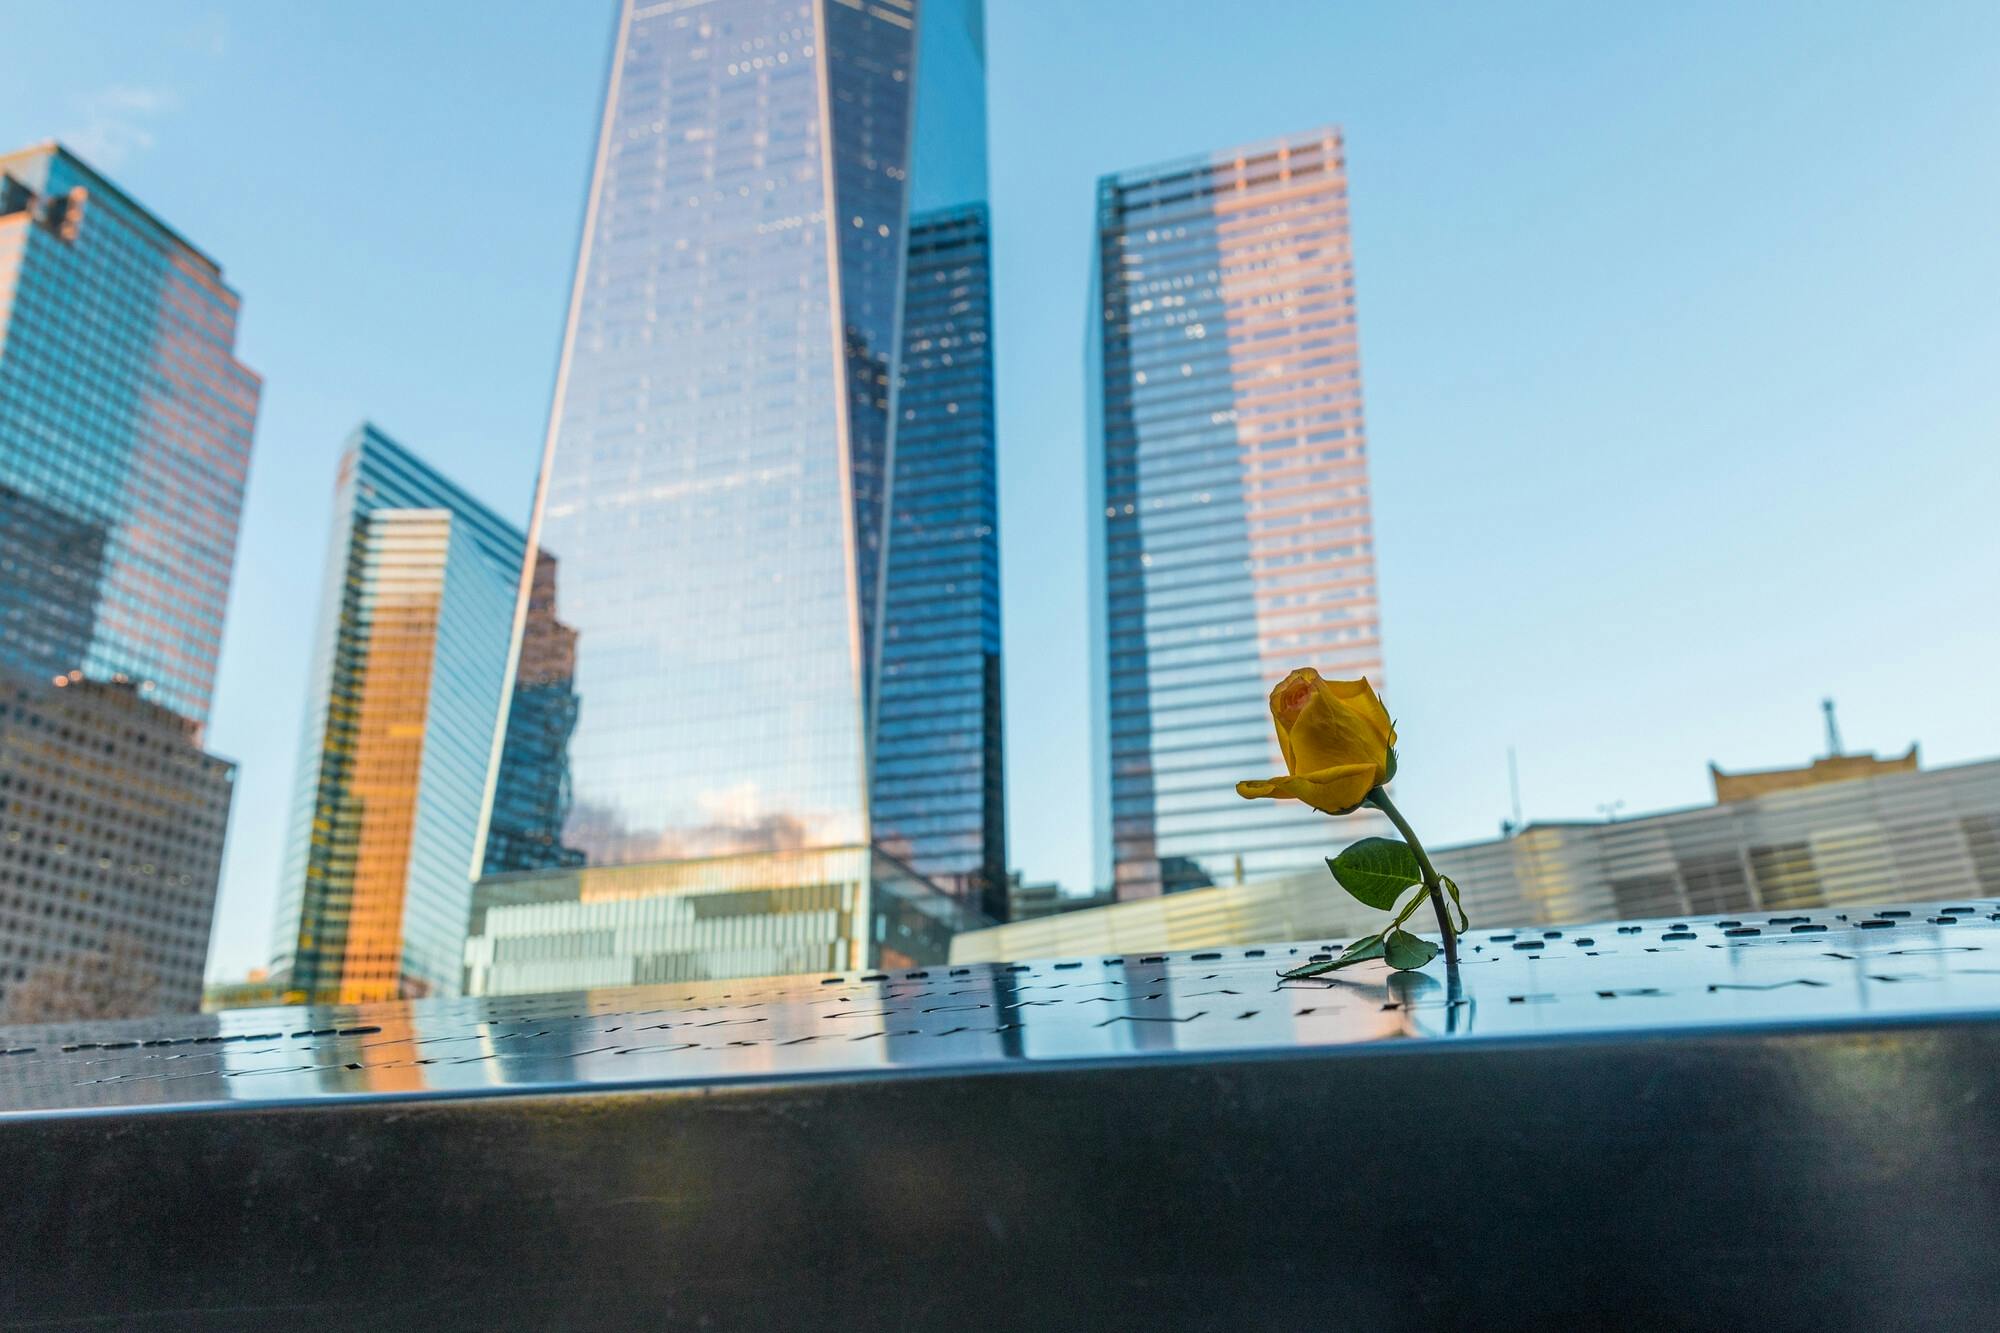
x=1358, y=696
x=1328, y=734
x=1335, y=790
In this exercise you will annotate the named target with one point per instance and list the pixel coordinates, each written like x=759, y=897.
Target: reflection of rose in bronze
x=1412, y=987
x=1414, y=990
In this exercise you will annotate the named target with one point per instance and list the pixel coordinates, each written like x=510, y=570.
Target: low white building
x=1897, y=837
x=837, y=909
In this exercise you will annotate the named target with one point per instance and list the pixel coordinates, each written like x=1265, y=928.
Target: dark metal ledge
x=1668, y=1124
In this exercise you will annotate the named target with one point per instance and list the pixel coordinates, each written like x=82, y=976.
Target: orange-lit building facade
x=400, y=734
x=1228, y=480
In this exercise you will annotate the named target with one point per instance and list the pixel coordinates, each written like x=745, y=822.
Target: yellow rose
x=1337, y=740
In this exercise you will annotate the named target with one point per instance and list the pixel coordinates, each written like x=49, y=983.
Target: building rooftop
x=99, y=181
x=1827, y=768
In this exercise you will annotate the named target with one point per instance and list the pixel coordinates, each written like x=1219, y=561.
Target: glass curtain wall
x=1229, y=468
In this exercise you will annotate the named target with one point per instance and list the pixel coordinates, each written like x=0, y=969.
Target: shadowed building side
x=111, y=827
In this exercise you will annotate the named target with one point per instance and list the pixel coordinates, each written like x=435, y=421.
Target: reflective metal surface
x=1643, y=1125
x=1798, y=968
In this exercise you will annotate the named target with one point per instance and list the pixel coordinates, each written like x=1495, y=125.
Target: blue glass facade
x=713, y=479
x=531, y=796
x=400, y=733
x=1228, y=477
x=125, y=430
x=938, y=795
x=715, y=492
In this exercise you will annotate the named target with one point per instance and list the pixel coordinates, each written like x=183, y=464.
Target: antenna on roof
x=1832, y=730
x=1514, y=785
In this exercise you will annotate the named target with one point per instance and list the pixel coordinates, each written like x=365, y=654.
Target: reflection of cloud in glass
x=731, y=820
x=717, y=470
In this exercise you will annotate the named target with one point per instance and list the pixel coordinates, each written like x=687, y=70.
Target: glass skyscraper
x=938, y=799
x=125, y=428
x=410, y=676
x=1228, y=476
x=125, y=433
x=715, y=492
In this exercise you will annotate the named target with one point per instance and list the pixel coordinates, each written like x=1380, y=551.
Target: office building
x=1228, y=480
x=125, y=429
x=125, y=433
x=111, y=828
x=402, y=717
x=715, y=491
x=1028, y=902
x=1901, y=835
x=938, y=801
x=1931, y=834
x=1827, y=768
x=811, y=910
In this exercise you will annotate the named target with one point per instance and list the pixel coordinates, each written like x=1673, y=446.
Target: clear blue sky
x=1680, y=337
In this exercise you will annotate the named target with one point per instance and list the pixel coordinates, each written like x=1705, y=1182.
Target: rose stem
x=1380, y=800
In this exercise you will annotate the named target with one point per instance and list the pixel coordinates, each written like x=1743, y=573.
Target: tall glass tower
x=410, y=673
x=1229, y=482
x=716, y=482
x=125, y=429
x=938, y=799
x=937, y=796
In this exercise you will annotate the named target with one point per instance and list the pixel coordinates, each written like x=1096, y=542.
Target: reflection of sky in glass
x=948, y=155
x=124, y=409
x=727, y=358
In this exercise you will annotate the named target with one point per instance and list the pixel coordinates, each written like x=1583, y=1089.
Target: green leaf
x=1464, y=921
x=1406, y=952
x=1363, y=949
x=1376, y=870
